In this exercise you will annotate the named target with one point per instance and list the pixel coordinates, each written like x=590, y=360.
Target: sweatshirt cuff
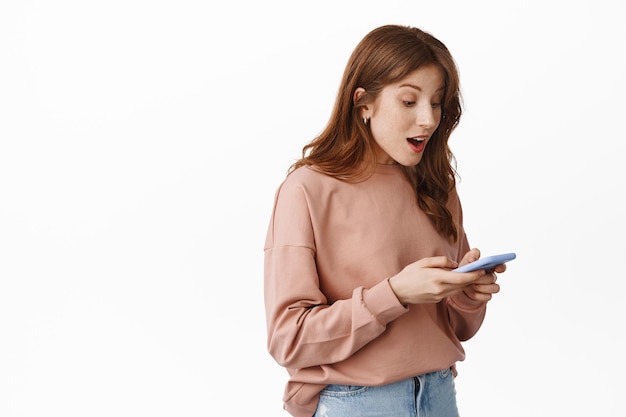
x=382, y=302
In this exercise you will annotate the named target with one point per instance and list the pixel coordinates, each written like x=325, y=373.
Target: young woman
x=363, y=308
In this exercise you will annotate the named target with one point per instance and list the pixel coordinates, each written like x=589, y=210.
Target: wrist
x=396, y=287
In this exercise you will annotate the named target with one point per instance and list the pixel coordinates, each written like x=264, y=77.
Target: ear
x=358, y=93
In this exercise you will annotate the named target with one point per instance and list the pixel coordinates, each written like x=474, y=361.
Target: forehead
x=429, y=78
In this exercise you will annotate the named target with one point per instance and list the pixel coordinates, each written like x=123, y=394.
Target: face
x=405, y=114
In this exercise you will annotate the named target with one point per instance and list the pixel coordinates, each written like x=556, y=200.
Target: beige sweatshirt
x=332, y=317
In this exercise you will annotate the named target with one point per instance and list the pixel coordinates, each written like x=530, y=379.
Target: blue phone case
x=488, y=262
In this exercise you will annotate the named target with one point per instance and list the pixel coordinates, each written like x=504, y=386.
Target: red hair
x=345, y=148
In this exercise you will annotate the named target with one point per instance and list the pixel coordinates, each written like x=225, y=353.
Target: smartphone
x=488, y=262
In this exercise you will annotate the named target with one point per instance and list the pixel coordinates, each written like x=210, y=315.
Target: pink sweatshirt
x=332, y=317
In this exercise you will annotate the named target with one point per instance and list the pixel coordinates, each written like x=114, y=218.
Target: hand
x=483, y=289
x=430, y=280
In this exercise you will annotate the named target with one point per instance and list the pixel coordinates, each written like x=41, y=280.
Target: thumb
x=438, y=262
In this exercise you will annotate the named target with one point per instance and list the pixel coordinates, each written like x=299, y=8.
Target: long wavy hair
x=345, y=148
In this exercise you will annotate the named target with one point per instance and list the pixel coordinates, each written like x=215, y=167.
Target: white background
x=141, y=143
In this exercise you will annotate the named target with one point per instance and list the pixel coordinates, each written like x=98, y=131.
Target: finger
x=486, y=288
x=466, y=278
x=488, y=278
x=438, y=262
x=471, y=256
x=477, y=295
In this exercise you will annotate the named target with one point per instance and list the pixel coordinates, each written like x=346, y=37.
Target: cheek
x=394, y=120
x=387, y=129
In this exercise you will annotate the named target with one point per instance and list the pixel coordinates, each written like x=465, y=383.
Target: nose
x=427, y=116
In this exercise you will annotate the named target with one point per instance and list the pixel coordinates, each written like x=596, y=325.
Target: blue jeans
x=429, y=395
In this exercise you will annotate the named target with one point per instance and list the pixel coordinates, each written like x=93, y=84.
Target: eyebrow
x=420, y=88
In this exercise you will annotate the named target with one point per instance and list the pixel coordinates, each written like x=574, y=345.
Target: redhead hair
x=344, y=149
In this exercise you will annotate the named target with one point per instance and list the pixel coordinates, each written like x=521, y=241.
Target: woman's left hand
x=484, y=289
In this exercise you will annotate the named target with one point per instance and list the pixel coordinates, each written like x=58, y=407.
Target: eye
x=408, y=103
x=436, y=105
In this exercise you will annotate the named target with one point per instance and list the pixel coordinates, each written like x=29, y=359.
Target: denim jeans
x=429, y=395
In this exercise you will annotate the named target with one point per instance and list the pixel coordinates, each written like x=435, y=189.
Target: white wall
x=140, y=146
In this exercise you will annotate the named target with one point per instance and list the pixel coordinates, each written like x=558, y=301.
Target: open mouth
x=416, y=144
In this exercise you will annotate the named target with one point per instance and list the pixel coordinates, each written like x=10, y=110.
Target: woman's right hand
x=430, y=280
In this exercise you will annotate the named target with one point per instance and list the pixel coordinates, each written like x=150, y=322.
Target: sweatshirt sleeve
x=466, y=315
x=303, y=329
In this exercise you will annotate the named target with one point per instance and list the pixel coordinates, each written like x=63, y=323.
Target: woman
x=363, y=308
